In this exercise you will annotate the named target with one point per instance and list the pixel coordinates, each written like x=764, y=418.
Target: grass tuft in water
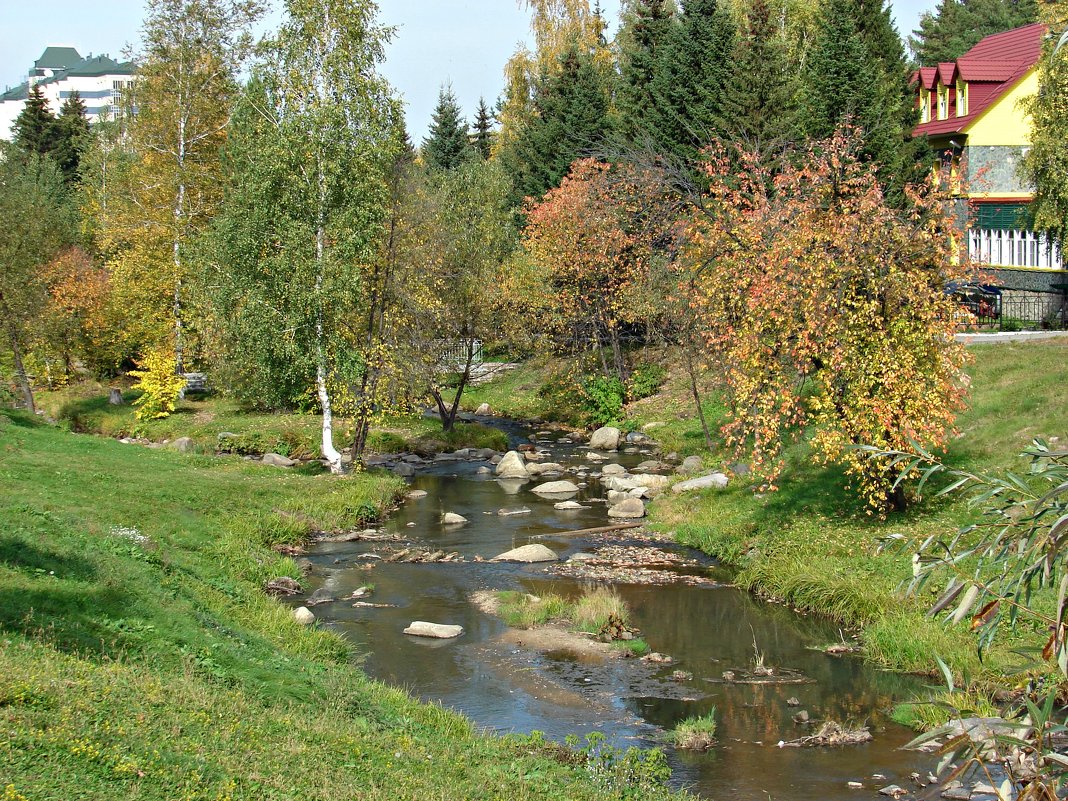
x=941, y=707
x=696, y=733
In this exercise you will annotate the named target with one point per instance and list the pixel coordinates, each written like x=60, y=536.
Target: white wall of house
x=98, y=92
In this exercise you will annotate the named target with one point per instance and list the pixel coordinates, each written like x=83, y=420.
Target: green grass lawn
x=140, y=658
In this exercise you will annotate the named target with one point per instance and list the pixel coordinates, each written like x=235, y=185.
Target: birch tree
x=316, y=137
x=179, y=108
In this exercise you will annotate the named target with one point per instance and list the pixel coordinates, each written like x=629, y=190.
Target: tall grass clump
x=696, y=733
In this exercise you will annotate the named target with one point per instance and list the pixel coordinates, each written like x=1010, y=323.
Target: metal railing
x=1031, y=312
x=454, y=354
x=1013, y=248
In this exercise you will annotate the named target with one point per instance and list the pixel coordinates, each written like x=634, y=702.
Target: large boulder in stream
x=528, y=553
x=628, y=509
x=303, y=615
x=605, y=439
x=437, y=631
x=554, y=489
x=513, y=465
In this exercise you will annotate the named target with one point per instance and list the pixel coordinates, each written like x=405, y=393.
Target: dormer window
x=943, y=102
x=962, y=98
x=925, y=105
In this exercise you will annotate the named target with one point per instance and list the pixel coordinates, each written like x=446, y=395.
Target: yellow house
x=972, y=113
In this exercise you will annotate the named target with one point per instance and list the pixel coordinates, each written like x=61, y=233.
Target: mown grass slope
x=140, y=658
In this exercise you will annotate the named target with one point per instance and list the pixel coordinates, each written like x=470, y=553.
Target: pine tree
x=689, y=84
x=646, y=27
x=34, y=128
x=71, y=136
x=571, y=121
x=446, y=147
x=482, y=130
x=758, y=106
x=856, y=72
x=957, y=25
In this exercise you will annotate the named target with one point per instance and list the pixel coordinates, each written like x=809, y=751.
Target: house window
x=962, y=98
x=925, y=105
x=943, y=102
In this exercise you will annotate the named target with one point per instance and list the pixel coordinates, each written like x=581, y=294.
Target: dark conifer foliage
x=856, y=71
x=571, y=121
x=71, y=136
x=956, y=26
x=644, y=34
x=482, y=130
x=689, y=85
x=34, y=128
x=446, y=147
x=758, y=109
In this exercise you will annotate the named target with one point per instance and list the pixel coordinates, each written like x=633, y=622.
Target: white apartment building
x=61, y=71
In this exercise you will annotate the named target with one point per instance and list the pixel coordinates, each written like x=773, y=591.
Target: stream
x=706, y=626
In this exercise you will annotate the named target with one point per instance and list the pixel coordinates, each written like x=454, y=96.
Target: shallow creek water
x=707, y=629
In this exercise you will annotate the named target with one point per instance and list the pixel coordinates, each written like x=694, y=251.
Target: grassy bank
x=140, y=658
x=216, y=421
x=811, y=543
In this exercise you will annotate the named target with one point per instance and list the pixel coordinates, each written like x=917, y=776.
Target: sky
x=461, y=42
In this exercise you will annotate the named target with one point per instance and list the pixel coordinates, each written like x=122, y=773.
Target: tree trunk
x=20, y=372
x=449, y=420
x=330, y=453
x=691, y=369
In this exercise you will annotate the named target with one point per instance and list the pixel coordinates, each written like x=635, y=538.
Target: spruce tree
x=646, y=27
x=482, y=130
x=856, y=72
x=693, y=70
x=571, y=121
x=758, y=108
x=34, y=128
x=71, y=136
x=446, y=147
x=957, y=25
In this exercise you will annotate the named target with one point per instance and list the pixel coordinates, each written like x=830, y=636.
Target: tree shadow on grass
x=20, y=554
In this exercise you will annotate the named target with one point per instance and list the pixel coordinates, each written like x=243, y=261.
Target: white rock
x=483, y=409
x=620, y=483
x=566, y=506
x=528, y=553
x=512, y=465
x=303, y=615
x=415, y=495
x=605, y=439
x=615, y=496
x=627, y=509
x=556, y=488
x=651, y=480
x=277, y=460
x=453, y=519
x=613, y=470
x=652, y=426
x=713, y=480
x=513, y=512
x=183, y=444
x=439, y=631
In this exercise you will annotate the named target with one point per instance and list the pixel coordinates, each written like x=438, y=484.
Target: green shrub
x=646, y=380
x=603, y=400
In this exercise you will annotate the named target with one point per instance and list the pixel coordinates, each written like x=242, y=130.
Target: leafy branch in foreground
x=997, y=567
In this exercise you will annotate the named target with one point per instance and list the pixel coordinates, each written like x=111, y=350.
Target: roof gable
x=991, y=68
x=56, y=58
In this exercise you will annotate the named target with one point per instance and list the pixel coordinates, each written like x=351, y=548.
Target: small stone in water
x=893, y=791
x=855, y=785
x=791, y=701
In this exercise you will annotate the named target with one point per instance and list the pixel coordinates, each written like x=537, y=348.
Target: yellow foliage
x=159, y=383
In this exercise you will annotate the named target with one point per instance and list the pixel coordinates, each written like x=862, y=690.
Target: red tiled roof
x=998, y=61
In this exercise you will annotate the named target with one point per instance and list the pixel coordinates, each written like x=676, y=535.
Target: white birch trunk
x=330, y=453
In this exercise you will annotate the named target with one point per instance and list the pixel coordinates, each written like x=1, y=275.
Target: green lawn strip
x=140, y=657
x=217, y=422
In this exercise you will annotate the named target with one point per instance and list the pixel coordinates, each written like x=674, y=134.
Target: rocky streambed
x=446, y=551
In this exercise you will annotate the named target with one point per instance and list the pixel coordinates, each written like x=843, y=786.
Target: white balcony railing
x=1013, y=248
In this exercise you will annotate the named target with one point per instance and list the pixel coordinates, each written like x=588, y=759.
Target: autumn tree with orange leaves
x=826, y=310
x=588, y=241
